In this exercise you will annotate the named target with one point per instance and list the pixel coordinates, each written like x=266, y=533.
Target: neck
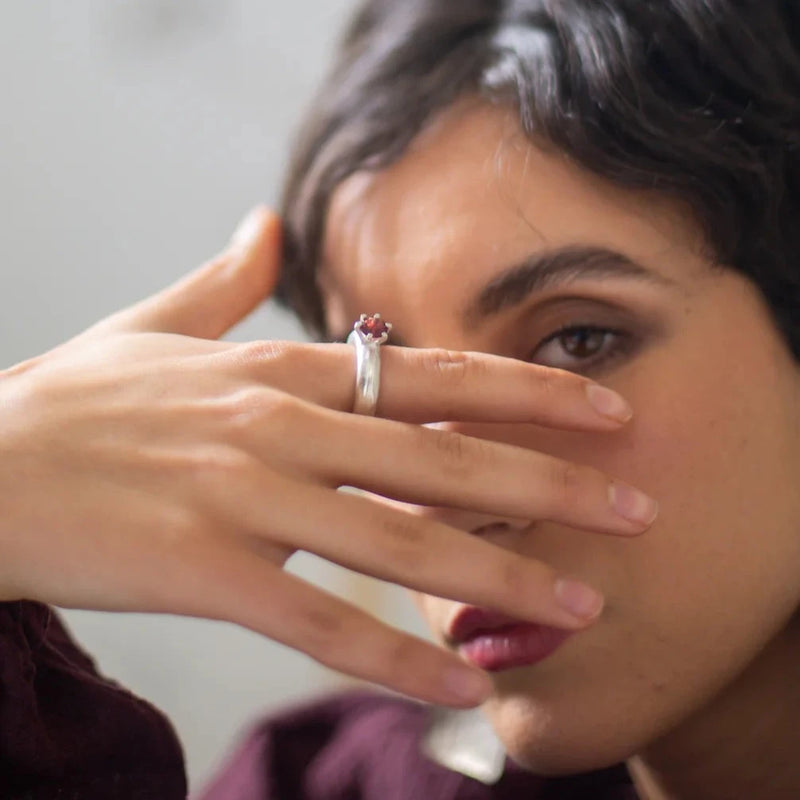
x=743, y=744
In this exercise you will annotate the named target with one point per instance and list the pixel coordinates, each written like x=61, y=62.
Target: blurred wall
x=135, y=133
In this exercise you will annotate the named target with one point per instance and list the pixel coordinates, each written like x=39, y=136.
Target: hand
x=147, y=466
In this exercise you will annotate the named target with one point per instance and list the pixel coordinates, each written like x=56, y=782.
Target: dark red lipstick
x=494, y=641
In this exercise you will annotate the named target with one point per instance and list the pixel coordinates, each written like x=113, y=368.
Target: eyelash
x=623, y=344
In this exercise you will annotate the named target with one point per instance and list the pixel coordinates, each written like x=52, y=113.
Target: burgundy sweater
x=67, y=733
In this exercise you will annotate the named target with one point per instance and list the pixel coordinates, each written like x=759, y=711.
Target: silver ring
x=367, y=336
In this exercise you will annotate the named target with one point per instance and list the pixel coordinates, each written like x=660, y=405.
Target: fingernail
x=579, y=599
x=608, y=403
x=466, y=685
x=632, y=504
x=249, y=228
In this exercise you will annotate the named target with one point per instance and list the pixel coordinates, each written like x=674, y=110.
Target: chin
x=562, y=738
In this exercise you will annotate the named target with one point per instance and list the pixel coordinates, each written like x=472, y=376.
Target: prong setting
x=372, y=329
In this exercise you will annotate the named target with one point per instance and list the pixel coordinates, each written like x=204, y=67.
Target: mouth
x=494, y=642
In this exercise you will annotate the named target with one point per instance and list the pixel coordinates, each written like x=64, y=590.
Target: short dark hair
x=697, y=99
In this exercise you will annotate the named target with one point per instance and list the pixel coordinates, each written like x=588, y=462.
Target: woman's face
x=715, y=436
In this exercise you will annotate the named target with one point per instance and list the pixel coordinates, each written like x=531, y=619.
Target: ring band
x=367, y=336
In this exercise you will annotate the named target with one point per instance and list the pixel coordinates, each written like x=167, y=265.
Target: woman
x=609, y=188
x=607, y=191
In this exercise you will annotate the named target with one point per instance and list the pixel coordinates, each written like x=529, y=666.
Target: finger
x=433, y=385
x=448, y=469
x=374, y=539
x=225, y=581
x=213, y=298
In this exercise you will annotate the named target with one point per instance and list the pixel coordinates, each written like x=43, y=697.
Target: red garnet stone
x=373, y=326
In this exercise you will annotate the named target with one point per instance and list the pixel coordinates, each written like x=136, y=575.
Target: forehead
x=472, y=195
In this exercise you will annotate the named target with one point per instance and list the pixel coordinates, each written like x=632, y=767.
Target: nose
x=496, y=529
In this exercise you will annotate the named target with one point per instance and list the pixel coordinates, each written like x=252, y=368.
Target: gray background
x=135, y=133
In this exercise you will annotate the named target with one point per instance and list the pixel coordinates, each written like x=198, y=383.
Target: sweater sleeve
x=68, y=733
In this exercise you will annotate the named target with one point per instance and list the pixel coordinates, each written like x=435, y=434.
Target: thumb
x=213, y=298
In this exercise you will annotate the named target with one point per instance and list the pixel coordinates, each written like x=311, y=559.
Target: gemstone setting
x=373, y=328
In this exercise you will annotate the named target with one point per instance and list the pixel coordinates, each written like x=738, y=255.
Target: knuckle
x=183, y=538
x=260, y=406
x=324, y=634
x=567, y=480
x=266, y=351
x=299, y=357
x=547, y=382
x=403, y=543
x=397, y=652
x=450, y=366
x=455, y=453
x=216, y=467
x=179, y=526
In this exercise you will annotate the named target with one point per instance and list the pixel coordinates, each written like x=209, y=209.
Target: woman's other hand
x=147, y=466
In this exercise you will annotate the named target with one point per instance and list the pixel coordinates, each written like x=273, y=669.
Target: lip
x=493, y=641
x=468, y=621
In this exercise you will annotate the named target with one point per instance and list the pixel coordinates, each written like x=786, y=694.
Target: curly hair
x=696, y=99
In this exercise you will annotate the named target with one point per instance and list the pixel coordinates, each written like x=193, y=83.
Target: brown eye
x=583, y=347
x=583, y=342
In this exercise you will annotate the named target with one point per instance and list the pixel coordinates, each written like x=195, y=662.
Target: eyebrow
x=550, y=268
x=546, y=269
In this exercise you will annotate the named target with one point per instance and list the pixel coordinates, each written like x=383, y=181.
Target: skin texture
x=690, y=672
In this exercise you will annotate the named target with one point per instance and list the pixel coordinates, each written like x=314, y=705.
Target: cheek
x=693, y=600
x=719, y=572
